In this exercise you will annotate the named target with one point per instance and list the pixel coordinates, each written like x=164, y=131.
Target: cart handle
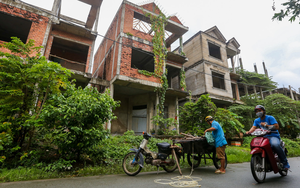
x=188, y=135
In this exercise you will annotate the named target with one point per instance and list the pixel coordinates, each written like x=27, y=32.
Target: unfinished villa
x=128, y=48
x=207, y=71
x=65, y=40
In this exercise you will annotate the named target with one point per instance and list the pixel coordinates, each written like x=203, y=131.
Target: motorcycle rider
x=220, y=141
x=268, y=122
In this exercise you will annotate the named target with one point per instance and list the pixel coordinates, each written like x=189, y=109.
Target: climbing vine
x=182, y=80
x=158, y=24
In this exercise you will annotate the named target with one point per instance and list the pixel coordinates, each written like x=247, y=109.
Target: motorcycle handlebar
x=249, y=134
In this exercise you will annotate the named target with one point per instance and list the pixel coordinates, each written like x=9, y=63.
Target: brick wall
x=38, y=27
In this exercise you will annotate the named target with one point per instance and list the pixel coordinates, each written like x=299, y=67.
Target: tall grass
x=234, y=155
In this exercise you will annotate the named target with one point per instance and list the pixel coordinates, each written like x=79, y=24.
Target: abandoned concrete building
x=207, y=71
x=65, y=40
x=127, y=48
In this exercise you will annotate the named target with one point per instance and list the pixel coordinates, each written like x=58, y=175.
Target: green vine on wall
x=158, y=24
x=182, y=80
x=147, y=73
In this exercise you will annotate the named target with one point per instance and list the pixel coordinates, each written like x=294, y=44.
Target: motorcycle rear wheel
x=129, y=168
x=258, y=172
x=173, y=167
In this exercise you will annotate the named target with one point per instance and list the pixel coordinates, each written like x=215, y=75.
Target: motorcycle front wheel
x=129, y=168
x=258, y=171
x=172, y=165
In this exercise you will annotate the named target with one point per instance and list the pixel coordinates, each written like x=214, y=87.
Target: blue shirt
x=270, y=120
x=218, y=134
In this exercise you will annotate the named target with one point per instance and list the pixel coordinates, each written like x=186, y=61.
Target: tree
x=192, y=115
x=26, y=80
x=286, y=112
x=292, y=10
x=229, y=122
x=284, y=109
x=253, y=78
x=74, y=119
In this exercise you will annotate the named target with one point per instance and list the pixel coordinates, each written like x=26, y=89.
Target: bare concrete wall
x=205, y=39
x=195, y=79
x=209, y=83
x=119, y=125
x=193, y=51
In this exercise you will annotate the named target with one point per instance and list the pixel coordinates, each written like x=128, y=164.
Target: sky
x=277, y=43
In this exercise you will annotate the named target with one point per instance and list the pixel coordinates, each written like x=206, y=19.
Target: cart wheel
x=217, y=162
x=194, y=160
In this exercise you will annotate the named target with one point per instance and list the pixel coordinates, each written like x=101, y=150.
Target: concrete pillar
x=129, y=114
x=112, y=96
x=237, y=92
x=266, y=71
x=121, y=39
x=56, y=7
x=291, y=92
x=156, y=110
x=97, y=20
x=254, y=90
x=261, y=93
x=179, y=79
x=232, y=64
x=241, y=63
x=246, y=89
x=180, y=45
x=90, y=65
x=255, y=68
x=177, y=114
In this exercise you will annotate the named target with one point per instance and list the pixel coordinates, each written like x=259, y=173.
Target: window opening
x=214, y=51
x=145, y=27
x=218, y=80
x=142, y=26
x=69, y=54
x=141, y=60
x=12, y=26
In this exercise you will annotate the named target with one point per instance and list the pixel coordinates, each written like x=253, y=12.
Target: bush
x=74, y=120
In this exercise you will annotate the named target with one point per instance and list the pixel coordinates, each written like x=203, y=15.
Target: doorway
x=139, y=119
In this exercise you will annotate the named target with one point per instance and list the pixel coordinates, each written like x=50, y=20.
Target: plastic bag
x=209, y=138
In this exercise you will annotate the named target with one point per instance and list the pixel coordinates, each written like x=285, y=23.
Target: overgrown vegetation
x=284, y=109
x=112, y=150
x=44, y=120
x=192, y=117
x=253, y=78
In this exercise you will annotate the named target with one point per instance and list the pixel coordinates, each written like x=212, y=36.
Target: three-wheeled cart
x=197, y=149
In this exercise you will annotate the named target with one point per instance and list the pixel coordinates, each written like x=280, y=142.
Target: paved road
x=237, y=176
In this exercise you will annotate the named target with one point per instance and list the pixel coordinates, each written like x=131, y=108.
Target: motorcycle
x=263, y=158
x=167, y=157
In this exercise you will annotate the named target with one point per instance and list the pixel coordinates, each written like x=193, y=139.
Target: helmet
x=260, y=107
x=209, y=118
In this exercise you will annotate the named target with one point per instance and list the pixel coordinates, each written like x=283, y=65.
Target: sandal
x=218, y=172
